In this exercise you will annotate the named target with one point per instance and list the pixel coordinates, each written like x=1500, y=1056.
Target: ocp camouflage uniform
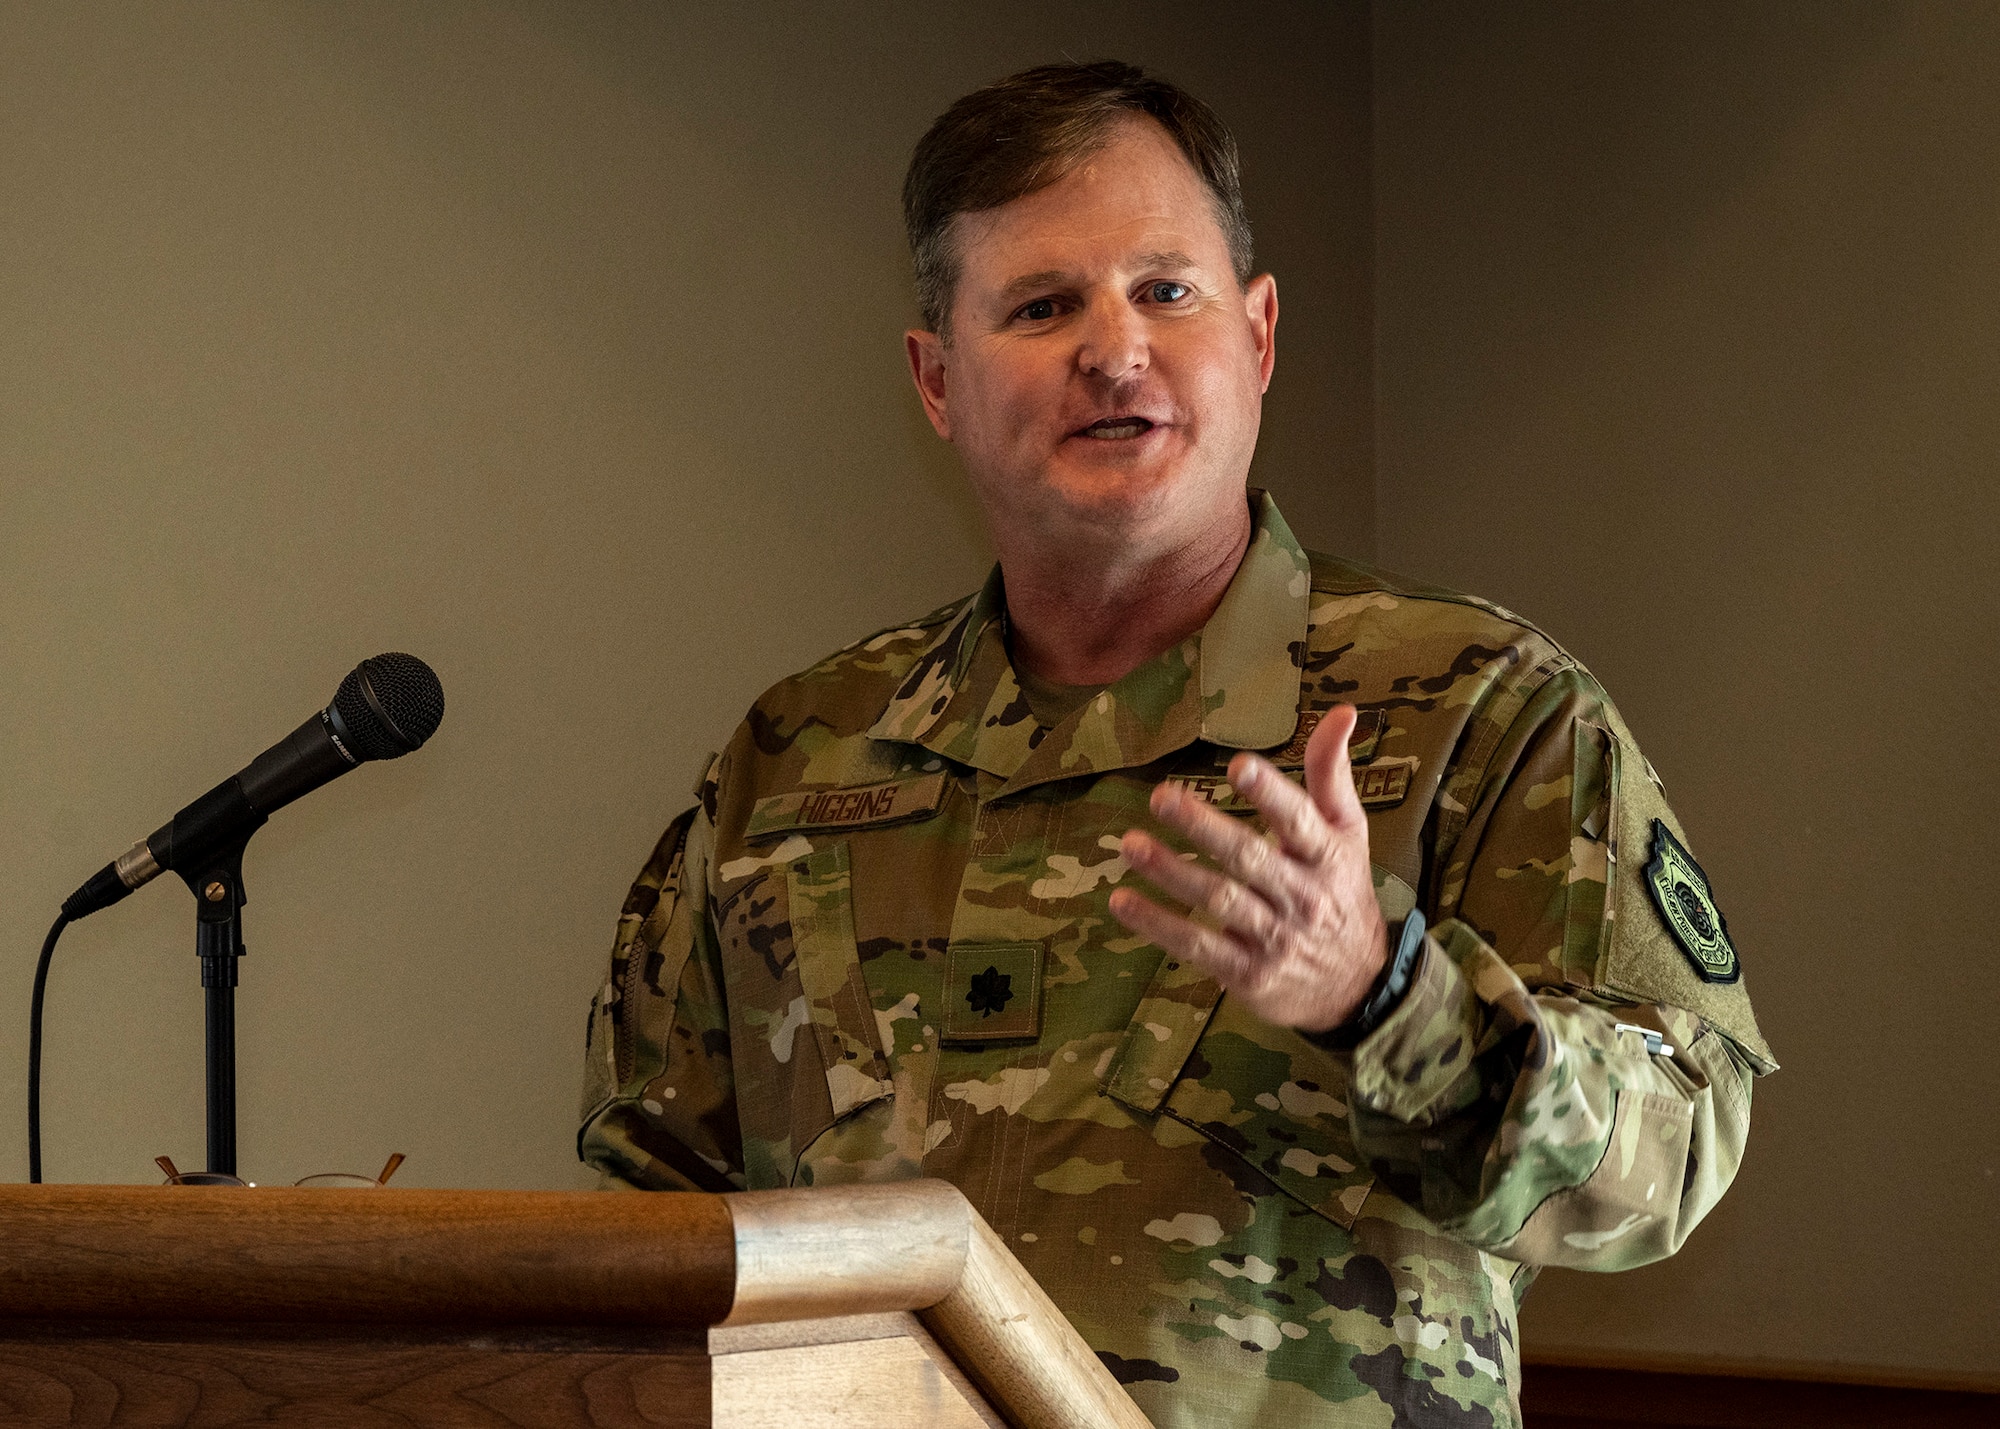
x=880, y=948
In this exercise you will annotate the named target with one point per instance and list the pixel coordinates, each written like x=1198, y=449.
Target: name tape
x=1381, y=785
x=862, y=807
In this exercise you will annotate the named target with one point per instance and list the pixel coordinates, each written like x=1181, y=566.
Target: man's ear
x=927, y=368
x=1260, y=305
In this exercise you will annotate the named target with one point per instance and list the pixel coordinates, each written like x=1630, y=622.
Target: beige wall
x=1689, y=347
x=559, y=345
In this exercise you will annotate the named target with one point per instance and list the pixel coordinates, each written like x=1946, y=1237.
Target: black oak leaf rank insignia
x=989, y=992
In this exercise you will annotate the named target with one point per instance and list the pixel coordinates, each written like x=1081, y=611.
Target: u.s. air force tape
x=1680, y=892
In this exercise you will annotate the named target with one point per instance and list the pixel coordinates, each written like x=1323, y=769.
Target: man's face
x=1104, y=365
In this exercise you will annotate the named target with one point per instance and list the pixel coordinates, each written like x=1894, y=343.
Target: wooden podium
x=883, y=1306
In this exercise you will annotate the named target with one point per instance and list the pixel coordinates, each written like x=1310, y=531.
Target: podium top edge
x=584, y=1258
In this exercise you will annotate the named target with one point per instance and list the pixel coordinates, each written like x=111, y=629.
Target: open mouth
x=1116, y=429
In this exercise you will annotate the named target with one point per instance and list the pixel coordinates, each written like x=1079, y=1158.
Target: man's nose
x=1114, y=340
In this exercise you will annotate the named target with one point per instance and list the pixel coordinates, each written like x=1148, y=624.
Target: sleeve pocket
x=1627, y=1211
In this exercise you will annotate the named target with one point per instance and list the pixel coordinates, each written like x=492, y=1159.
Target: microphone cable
x=35, y=1050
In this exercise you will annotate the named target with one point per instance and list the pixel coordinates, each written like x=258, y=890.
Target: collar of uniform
x=1235, y=684
x=932, y=706
x=1252, y=646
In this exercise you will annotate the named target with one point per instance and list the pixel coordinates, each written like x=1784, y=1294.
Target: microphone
x=386, y=707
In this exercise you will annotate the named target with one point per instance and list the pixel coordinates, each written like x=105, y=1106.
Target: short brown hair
x=1025, y=132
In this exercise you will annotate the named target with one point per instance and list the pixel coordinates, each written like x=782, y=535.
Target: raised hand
x=1291, y=925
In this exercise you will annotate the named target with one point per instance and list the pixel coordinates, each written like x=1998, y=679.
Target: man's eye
x=1168, y=292
x=1040, y=310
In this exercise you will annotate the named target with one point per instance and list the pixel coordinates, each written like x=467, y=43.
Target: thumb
x=1329, y=777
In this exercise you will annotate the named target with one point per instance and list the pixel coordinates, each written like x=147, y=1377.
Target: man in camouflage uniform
x=1455, y=1002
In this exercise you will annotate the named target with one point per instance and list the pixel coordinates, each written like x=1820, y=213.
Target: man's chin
x=1114, y=495
x=1118, y=476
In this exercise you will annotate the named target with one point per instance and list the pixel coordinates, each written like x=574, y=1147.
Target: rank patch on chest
x=870, y=804
x=1680, y=892
x=992, y=992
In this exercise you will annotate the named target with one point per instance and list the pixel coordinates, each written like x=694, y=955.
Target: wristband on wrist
x=1406, y=946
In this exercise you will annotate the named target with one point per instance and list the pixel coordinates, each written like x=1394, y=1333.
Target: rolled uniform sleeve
x=1502, y=1097
x=659, y=1096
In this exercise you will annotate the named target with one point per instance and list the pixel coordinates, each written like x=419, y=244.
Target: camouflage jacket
x=879, y=948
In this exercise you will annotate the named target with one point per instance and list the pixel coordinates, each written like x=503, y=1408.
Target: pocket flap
x=836, y=996
x=1279, y=1104
x=1263, y=1093
x=1161, y=1035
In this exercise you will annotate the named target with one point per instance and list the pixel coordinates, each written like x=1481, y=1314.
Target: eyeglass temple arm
x=166, y=1164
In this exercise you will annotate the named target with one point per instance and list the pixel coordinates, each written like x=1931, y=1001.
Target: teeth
x=1118, y=431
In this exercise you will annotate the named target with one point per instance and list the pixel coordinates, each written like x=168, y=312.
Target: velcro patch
x=1214, y=790
x=1379, y=786
x=862, y=807
x=1680, y=892
x=1385, y=783
x=992, y=992
x=1361, y=740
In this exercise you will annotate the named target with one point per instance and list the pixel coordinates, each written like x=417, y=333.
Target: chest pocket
x=806, y=1045
x=820, y=891
x=804, y=1042
x=1262, y=1092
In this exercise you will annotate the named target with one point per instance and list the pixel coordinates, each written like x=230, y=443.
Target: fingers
x=1238, y=851
x=1215, y=953
x=1294, y=914
x=1289, y=812
x=1231, y=904
x=1329, y=776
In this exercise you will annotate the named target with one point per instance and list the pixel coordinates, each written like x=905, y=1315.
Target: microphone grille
x=390, y=704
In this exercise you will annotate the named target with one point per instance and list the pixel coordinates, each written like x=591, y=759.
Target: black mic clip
x=217, y=885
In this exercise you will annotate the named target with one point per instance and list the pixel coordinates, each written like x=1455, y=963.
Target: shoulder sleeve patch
x=1664, y=940
x=1679, y=891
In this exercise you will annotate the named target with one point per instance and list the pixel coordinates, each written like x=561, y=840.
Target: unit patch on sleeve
x=1680, y=891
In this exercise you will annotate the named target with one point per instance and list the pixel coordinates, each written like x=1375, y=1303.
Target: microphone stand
x=218, y=942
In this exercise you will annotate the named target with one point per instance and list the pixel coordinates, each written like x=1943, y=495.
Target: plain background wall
x=560, y=345
x=1689, y=347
